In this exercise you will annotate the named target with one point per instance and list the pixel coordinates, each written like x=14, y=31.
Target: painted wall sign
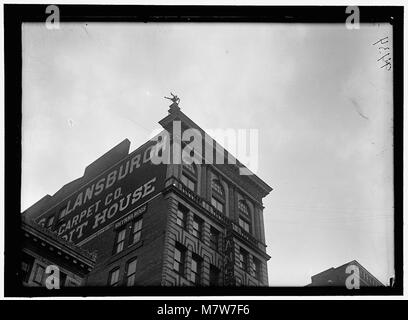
x=229, y=260
x=110, y=196
x=131, y=216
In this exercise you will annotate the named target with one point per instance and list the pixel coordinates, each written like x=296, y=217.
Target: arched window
x=243, y=207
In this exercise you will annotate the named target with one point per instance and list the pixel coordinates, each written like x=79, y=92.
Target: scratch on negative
x=357, y=108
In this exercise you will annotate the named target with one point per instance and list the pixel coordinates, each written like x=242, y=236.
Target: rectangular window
x=256, y=268
x=181, y=215
x=63, y=279
x=244, y=225
x=188, y=182
x=131, y=272
x=217, y=204
x=120, y=240
x=39, y=274
x=216, y=185
x=114, y=277
x=26, y=267
x=179, y=259
x=196, y=269
x=243, y=259
x=214, y=238
x=214, y=276
x=137, y=230
x=197, y=227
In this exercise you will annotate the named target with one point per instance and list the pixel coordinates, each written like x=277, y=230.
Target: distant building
x=169, y=224
x=337, y=277
x=42, y=248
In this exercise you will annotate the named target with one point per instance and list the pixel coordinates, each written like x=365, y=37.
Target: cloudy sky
x=316, y=93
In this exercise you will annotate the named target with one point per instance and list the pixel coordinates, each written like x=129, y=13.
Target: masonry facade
x=173, y=224
x=42, y=249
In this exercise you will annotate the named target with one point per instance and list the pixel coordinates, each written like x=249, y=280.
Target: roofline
x=78, y=253
x=177, y=114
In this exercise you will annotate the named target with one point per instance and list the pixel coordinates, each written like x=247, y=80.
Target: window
x=137, y=230
x=243, y=207
x=217, y=205
x=214, y=276
x=197, y=227
x=217, y=187
x=63, y=212
x=114, y=277
x=214, y=237
x=243, y=259
x=189, y=176
x=26, y=266
x=189, y=183
x=63, y=279
x=179, y=259
x=256, y=268
x=131, y=272
x=120, y=240
x=196, y=269
x=190, y=167
x=243, y=224
x=252, y=270
x=217, y=198
x=39, y=274
x=50, y=221
x=181, y=216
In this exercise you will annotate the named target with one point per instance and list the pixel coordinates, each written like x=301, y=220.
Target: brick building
x=170, y=224
x=337, y=277
x=42, y=248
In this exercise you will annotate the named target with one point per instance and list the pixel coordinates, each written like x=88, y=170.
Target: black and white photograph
x=213, y=152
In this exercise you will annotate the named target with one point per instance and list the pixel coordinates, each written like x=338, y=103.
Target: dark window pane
x=218, y=205
x=179, y=259
x=197, y=226
x=244, y=225
x=214, y=276
x=137, y=230
x=188, y=182
x=26, y=267
x=131, y=272
x=114, y=277
x=243, y=207
x=39, y=274
x=214, y=236
x=120, y=241
x=196, y=269
x=217, y=187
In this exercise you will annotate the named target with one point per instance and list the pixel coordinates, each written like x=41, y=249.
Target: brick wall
x=148, y=250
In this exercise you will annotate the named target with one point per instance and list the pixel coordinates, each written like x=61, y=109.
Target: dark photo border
x=15, y=15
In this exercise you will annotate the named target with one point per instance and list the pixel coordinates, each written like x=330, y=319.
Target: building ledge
x=173, y=184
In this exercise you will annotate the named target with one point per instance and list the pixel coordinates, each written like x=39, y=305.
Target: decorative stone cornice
x=46, y=237
x=173, y=184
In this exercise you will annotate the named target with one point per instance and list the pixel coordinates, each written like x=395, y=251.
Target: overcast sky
x=316, y=93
